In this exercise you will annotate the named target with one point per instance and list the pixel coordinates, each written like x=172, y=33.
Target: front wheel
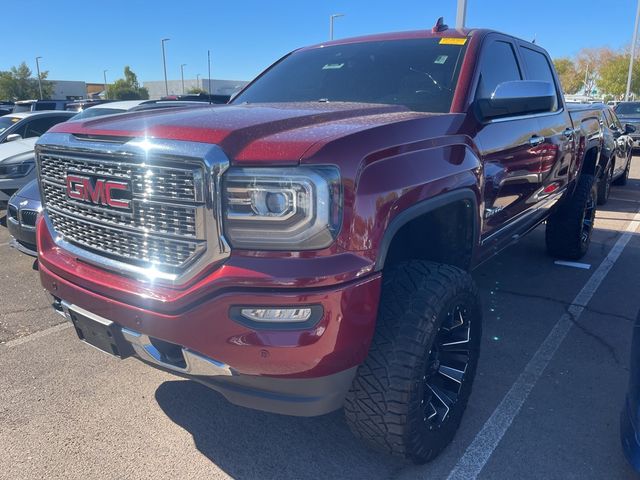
x=604, y=185
x=570, y=226
x=409, y=396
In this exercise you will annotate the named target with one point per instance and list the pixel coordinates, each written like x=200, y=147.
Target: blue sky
x=79, y=39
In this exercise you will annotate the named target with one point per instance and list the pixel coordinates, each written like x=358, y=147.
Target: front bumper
x=297, y=372
x=288, y=396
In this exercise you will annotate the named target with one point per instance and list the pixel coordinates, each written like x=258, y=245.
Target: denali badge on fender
x=98, y=191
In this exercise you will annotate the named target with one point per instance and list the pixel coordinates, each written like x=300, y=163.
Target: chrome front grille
x=132, y=247
x=148, y=217
x=171, y=229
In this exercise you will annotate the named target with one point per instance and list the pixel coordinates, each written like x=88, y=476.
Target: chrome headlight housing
x=282, y=208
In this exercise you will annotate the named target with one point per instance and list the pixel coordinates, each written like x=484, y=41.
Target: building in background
x=157, y=90
x=68, y=89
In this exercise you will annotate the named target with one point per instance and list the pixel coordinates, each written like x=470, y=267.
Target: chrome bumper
x=196, y=364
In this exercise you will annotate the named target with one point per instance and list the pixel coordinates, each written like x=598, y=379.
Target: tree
x=127, y=88
x=196, y=91
x=613, y=75
x=588, y=63
x=18, y=84
x=570, y=79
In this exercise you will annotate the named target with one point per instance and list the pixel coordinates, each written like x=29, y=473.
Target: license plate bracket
x=100, y=333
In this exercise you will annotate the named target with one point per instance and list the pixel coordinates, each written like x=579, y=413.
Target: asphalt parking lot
x=546, y=401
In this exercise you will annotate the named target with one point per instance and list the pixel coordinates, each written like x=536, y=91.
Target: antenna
x=209, y=64
x=439, y=26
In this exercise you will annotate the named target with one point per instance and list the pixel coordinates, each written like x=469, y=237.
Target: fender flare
x=422, y=208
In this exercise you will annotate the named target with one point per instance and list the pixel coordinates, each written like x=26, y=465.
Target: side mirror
x=628, y=128
x=519, y=97
x=12, y=137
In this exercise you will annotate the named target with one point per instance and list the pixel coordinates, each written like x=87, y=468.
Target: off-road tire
x=387, y=403
x=622, y=180
x=569, y=227
x=604, y=185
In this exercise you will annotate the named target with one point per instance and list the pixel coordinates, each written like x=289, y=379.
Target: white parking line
x=484, y=444
x=34, y=336
x=4, y=244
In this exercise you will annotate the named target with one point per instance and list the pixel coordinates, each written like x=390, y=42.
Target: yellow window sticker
x=453, y=41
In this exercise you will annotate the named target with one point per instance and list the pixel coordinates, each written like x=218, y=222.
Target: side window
x=498, y=65
x=538, y=68
x=616, y=120
x=38, y=126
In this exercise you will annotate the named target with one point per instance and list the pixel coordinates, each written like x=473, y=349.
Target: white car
x=17, y=166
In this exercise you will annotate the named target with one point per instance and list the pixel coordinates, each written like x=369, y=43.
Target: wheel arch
x=462, y=203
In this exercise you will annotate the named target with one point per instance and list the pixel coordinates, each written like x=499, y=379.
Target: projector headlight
x=282, y=208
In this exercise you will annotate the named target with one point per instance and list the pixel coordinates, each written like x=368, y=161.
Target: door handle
x=536, y=140
x=568, y=133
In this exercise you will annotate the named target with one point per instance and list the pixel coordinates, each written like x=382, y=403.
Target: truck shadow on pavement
x=249, y=444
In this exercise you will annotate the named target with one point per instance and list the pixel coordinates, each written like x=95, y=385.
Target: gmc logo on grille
x=99, y=191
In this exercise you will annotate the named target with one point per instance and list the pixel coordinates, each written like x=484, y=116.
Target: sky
x=77, y=40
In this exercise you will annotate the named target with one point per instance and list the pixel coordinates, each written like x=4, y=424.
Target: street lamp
x=106, y=93
x=461, y=14
x=198, y=80
x=633, y=53
x=331, y=19
x=39, y=78
x=182, y=75
x=164, y=65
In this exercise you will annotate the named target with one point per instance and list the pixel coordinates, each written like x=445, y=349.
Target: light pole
x=39, y=78
x=198, y=80
x=461, y=14
x=331, y=19
x=182, y=75
x=633, y=53
x=164, y=65
x=586, y=79
x=106, y=92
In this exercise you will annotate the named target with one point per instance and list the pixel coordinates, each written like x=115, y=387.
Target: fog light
x=276, y=314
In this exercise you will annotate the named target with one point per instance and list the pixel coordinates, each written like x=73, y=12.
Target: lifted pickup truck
x=308, y=246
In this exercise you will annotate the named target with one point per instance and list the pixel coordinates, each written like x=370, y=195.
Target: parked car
x=39, y=105
x=629, y=112
x=630, y=418
x=616, y=152
x=22, y=212
x=308, y=246
x=200, y=97
x=17, y=167
x=80, y=105
x=109, y=108
x=6, y=107
x=29, y=124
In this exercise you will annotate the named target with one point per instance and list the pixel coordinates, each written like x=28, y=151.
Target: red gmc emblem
x=98, y=191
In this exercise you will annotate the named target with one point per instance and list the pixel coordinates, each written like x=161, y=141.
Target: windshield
x=420, y=74
x=96, y=112
x=7, y=121
x=631, y=108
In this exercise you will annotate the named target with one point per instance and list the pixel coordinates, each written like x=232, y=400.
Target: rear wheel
x=569, y=228
x=409, y=396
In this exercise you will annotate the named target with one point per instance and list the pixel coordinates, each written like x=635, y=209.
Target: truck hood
x=249, y=134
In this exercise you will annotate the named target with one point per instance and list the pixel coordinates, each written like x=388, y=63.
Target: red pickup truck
x=308, y=247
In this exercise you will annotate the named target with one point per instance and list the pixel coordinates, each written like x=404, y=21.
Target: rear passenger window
x=538, y=68
x=498, y=65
